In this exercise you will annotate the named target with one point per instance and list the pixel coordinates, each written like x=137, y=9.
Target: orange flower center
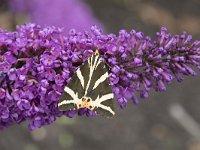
x=49, y=60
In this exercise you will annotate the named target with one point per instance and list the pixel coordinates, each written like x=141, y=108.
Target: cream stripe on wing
x=66, y=102
x=107, y=108
x=92, y=67
x=80, y=76
x=105, y=97
x=101, y=79
x=72, y=94
x=99, y=61
x=98, y=101
x=89, y=62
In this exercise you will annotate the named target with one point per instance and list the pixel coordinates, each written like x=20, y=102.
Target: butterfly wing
x=105, y=107
x=100, y=91
x=74, y=90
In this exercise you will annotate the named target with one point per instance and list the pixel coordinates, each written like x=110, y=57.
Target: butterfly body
x=89, y=88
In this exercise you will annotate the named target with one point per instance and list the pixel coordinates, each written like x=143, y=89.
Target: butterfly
x=89, y=88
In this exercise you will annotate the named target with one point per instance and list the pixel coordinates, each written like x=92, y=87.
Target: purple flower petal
x=2, y=93
x=5, y=66
x=48, y=60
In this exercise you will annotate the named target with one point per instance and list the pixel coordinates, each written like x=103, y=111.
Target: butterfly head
x=96, y=53
x=85, y=103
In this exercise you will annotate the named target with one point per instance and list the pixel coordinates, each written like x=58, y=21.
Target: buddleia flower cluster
x=36, y=63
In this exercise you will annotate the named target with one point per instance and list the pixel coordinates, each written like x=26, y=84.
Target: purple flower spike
x=37, y=63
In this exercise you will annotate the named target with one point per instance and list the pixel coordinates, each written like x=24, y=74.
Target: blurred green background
x=166, y=121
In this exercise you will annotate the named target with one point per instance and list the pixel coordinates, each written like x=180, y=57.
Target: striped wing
x=89, y=88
